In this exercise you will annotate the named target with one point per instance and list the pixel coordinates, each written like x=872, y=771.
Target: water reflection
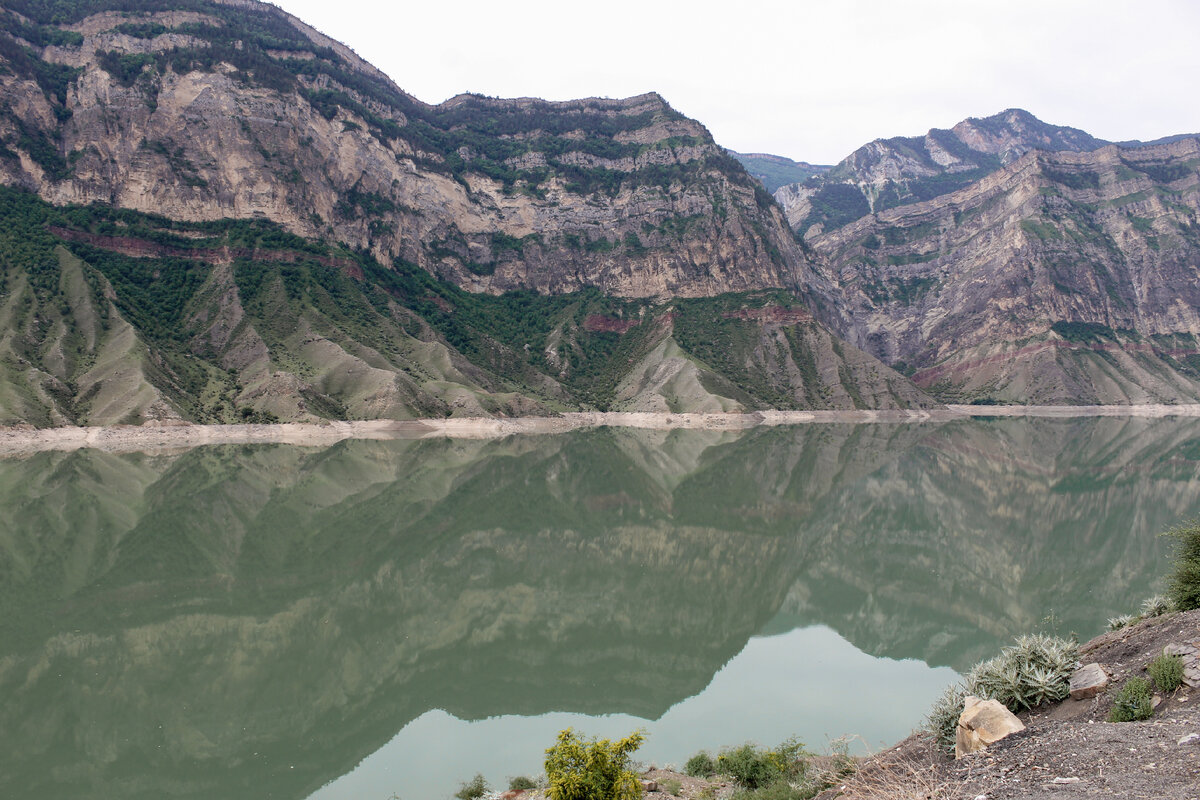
x=253, y=621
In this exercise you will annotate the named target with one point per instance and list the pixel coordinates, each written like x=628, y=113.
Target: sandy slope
x=157, y=436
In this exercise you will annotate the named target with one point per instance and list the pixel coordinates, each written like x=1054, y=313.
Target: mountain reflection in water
x=252, y=621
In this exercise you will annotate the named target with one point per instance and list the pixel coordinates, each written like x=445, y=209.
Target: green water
x=391, y=617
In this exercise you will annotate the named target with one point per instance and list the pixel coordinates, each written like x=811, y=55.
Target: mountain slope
x=205, y=110
x=891, y=172
x=116, y=316
x=1062, y=278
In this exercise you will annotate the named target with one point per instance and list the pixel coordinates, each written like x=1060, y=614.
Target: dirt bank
x=157, y=436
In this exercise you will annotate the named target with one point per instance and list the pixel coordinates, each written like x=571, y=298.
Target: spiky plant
x=1156, y=606
x=1123, y=621
x=942, y=721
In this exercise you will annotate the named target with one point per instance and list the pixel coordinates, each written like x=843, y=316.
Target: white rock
x=981, y=723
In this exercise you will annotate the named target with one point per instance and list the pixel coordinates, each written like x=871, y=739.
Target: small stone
x=1156, y=701
x=1088, y=681
x=1191, y=738
x=1066, y=780
x=650, y=786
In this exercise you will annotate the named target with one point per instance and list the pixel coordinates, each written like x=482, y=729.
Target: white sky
x=808, y=80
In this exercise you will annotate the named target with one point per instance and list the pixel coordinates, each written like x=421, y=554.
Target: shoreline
x=18, y=440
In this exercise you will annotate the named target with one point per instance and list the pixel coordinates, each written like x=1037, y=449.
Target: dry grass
x=913, y=770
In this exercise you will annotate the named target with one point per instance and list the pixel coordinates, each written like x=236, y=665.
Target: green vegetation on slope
x=217, y=313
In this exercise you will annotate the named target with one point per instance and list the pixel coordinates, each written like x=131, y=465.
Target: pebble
x=1066, y=780
x=1191, y=738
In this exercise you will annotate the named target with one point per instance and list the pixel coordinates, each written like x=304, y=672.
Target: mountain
x=1063, y=277
x=890, y=172
x=216, y=213
x=777, y=171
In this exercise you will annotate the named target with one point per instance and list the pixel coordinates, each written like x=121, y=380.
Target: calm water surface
x=379, y=618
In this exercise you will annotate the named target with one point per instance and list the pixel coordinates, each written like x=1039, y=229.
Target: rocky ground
x=1066, y=750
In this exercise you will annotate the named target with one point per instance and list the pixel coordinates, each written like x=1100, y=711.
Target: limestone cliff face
x=1062, y=277
x=242, y=111
x=890, y=172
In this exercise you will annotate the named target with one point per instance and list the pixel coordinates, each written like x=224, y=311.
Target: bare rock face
x=983, y=722
x=183, y=114
x=1061, y=278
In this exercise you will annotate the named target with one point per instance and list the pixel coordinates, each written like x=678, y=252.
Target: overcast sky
x=808, y=80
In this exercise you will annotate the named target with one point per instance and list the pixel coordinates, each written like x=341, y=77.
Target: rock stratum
x=215, y=213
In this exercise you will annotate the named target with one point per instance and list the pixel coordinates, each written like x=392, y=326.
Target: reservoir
x=387, y=618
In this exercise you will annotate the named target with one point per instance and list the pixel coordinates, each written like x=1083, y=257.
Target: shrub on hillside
x=1133, y=702
x=473, y=789
x=754, y=768
x=1184, y=587
x=592, y=769
x=1166, y=672
x=700, y=765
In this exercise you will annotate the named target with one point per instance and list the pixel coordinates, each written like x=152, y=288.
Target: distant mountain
x=891, y=172
x=1063, y=277
x=777, y=171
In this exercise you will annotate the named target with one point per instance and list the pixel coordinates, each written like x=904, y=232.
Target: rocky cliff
x=1063, y=277
x=208, y=110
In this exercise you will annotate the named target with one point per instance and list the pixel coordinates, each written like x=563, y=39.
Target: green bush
x=670, y=786
x=754, y=768
x=1132, y=702
x=942, y=721
x=1184, y=587
x=700, y=765
x=595, y=769
x=473, y=789
x=1166, y=672
x=776, y=790
x=521, y=783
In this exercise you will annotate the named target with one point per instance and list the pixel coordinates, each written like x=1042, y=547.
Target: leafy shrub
x=670, y=786
x=754, y=768
x=1132, y=702
x=521, y=783
x=1166, y=672
x=776, y=790
x=1123, y=621
x=1184, y=588
x=700, y=765
x=1035, y=670
x=1156, y=606
x=473, y=789
x=595, y=769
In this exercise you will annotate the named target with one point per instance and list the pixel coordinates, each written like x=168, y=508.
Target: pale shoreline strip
x=159, y=436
